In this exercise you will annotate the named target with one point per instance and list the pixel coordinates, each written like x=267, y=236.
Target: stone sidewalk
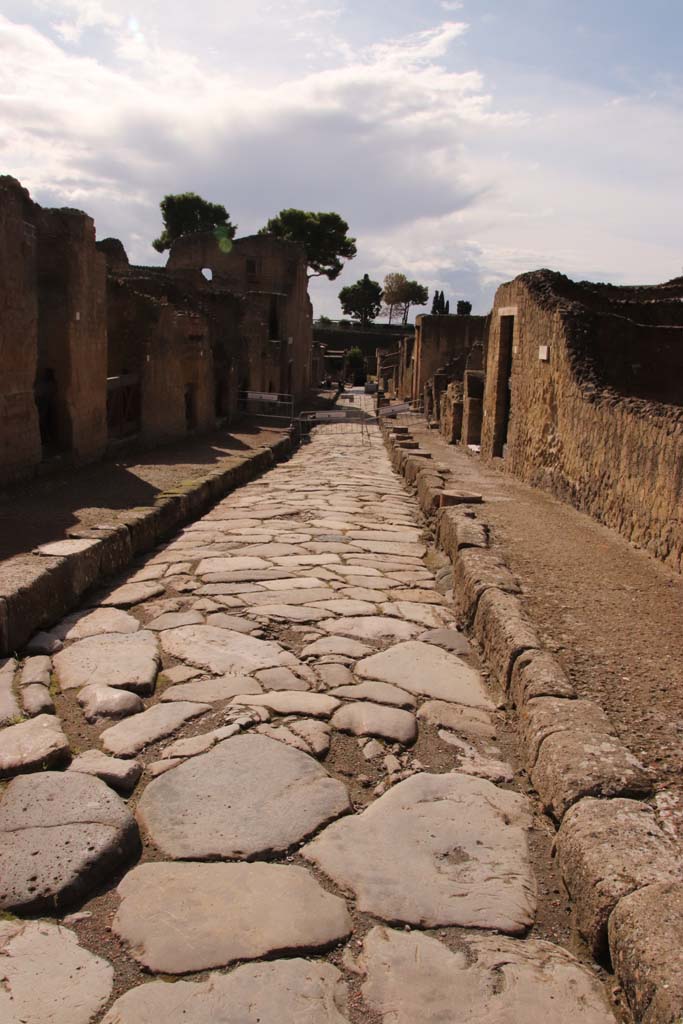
x=267, y=754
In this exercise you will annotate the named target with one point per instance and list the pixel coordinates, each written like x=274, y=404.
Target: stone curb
x=617, y=863
x=61, y=572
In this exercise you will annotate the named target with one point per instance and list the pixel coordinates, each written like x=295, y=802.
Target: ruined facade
x=443, y=343
x=95, y=351
x=584, y=397
x=269, y=275
x=52, y=335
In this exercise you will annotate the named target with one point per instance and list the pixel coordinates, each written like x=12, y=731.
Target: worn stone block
x=572, y=752
x=538, y=674
x=606, y=850
x=646, y=946
x=504, y=632
x=475, y=570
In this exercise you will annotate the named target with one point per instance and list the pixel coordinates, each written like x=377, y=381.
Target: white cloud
x=271, y=105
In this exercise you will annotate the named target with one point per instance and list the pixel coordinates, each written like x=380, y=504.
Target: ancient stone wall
x=19, y=428
x=441, y=340
x=573, y=420
x=180, y=342
x=271, y=275
x=72, y=329
x=450, y=421
x=52, y=335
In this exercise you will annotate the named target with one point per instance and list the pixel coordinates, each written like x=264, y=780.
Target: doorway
x=503, y=386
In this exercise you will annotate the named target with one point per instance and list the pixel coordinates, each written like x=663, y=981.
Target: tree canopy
x=394, y=288
x=362, y=300
x=185, y=212
x=400, y=293
x=464, y=308
x=323, y=235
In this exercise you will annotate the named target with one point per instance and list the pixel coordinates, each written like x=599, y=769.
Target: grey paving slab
x=248, y=797
x=62, y=833
x=415, y=979
x=177, y=918
x=436, y=850
x=47, y=977
x=286, y=992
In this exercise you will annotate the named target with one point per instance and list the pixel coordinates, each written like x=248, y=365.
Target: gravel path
x=292, y=788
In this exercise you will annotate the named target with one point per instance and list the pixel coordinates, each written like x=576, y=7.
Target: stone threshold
x=623, y=873
x=62, y=571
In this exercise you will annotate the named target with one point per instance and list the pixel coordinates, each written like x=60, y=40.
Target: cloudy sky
x=465, y=142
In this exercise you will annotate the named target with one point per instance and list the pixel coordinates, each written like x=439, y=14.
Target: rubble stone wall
x=578, y=426
x=20, y=448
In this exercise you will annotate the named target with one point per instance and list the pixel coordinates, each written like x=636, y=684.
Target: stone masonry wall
x=612, y=455
x=19, y=432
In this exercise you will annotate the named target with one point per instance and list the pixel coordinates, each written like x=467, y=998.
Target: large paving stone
x=9, y=706
x=363, y=718
x=287, y=702
x=607, y=849
x=129, y=594
x=92, y=622
x=223, y=650
x=129, y=661
x=450, y=639
x=371, y=627
x=435, y=850
x=459, y=718
x=290, y=612
x=32, y=746
x=425, y=669
x=250, y=796
x=336, y=645
x=414, y=979
x=46, y=977
x=37, y=700
x=173, y=620
x=209, y=691
x=295, y=596
x=100, y=701
x=286, y=992
x=646, y=947
x=62, y=833
x=116, y=772
x=128, y=738
x=379, y=693
x=177, y=918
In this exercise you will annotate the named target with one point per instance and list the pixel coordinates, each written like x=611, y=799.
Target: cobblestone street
x=278, y=777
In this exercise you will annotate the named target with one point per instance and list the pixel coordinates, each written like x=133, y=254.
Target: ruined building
x=53, y=335
x=584, y=397
x=95, y=351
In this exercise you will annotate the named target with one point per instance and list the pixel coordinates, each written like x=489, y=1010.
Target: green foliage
x=400, y=293
x=464, y=308
x=323, y=235
x=394, y=284
x=413, y=294
x=355, y=358
x=362, y=300
x=186, y=212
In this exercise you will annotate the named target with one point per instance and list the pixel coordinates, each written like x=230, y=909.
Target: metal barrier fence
x=267, y=405
x=357, y=415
